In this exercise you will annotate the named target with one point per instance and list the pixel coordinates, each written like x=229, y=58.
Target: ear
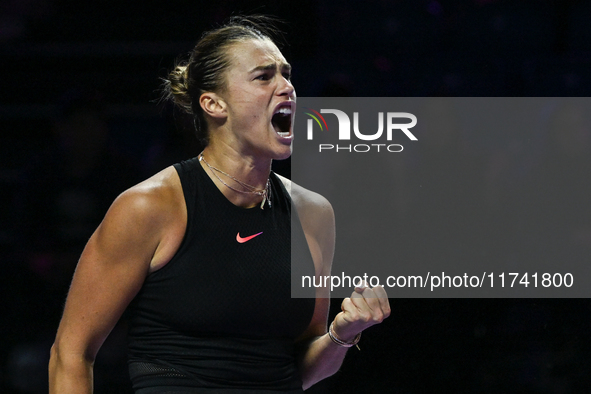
x=213, y=105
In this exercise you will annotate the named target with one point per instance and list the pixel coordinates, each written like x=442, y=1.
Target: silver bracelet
x=333, y=335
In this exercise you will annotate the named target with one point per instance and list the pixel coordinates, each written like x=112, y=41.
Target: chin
x=284, y=155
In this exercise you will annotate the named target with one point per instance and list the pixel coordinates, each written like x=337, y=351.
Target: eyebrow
x=268, y=67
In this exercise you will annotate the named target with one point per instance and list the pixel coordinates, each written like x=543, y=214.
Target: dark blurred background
x=81, y=122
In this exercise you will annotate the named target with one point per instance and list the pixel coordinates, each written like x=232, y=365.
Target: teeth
x=284, y=111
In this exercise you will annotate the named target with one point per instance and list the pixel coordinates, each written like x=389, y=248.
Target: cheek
x=256, y=115
x=251, y=121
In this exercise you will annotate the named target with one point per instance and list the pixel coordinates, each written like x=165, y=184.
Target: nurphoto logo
x=344, y=130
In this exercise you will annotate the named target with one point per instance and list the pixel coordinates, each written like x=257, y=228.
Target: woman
x=199, y=254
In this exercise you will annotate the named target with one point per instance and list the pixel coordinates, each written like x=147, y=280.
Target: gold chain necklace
x=265, y=193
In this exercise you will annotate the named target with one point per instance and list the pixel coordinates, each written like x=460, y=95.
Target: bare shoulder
x=158, y=189
x=152, y=214
x=310, y=205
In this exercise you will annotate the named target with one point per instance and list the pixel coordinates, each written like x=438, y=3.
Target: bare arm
x=320, y=356
x=131, y=241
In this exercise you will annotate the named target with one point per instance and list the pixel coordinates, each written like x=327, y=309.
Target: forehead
x=246, y=55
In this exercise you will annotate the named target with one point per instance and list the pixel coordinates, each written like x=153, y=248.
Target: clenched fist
x=366, y=306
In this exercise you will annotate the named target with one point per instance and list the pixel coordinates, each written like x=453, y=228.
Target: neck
x=241, y=178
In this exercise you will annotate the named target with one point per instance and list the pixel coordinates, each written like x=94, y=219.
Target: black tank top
x=219, y=316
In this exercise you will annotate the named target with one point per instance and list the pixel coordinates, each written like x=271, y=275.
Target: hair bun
x=176, y=87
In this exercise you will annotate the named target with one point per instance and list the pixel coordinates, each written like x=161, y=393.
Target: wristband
x=333, y=335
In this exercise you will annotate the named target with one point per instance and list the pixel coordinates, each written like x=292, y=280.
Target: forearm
x=69, y=374
x=321, y=359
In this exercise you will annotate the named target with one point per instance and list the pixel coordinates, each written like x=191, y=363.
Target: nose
x=286, y=88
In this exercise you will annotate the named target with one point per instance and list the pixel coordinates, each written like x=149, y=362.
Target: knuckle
x=365, y=317
x=355, y=316
x=345, y=302
x=378, y=317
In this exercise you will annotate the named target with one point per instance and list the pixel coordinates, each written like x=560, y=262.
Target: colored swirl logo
x=315, y=117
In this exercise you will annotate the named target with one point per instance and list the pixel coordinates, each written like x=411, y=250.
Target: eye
x=287, y=75
x=263, y=77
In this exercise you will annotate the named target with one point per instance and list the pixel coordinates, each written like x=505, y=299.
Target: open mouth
x=281, y=120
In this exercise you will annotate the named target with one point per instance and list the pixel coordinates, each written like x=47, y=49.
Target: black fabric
x=219, y=315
